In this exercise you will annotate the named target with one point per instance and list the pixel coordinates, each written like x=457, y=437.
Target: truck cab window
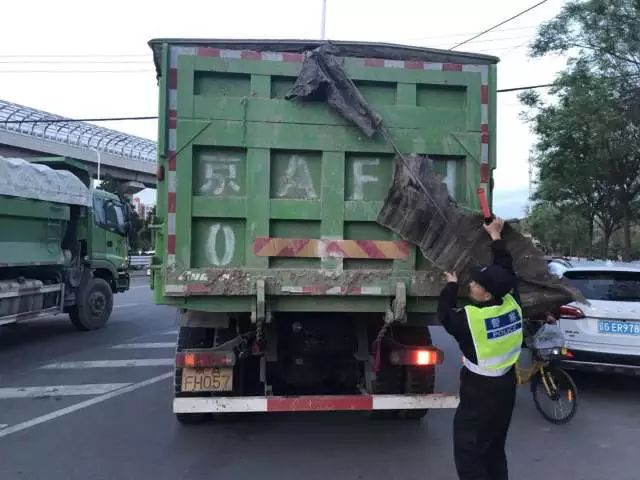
x=109, y=214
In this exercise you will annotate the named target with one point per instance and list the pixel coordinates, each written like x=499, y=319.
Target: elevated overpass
x=29, y=133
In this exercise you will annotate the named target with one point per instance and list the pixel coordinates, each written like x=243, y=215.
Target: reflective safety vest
x=497, y=336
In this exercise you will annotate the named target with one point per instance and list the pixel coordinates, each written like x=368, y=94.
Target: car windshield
x=604, y=285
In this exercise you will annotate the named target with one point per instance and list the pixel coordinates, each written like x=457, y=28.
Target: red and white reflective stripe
x=170, y=289
x=483, y=70
x=329, y=290
x=172, y=124
x=321, y=403
x=246, y=54
x=203, y=288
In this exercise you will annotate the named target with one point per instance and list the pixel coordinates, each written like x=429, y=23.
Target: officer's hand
x=494, y=229
x=450, y=277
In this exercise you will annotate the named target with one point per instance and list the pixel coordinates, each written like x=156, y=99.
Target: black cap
x=495, y=280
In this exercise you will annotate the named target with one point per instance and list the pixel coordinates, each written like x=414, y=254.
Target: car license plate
x=219, y=379
x=618, y=327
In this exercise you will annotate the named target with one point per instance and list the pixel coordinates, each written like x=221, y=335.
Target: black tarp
x=419, y=209
x=323, y=78
x=418, y=206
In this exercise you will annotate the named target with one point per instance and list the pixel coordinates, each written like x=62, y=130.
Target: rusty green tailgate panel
x=241, y=165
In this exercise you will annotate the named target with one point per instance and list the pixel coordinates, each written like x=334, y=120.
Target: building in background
x=142, y=209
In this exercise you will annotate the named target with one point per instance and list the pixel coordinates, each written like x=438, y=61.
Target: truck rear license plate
x=620, y=328
x=219, y=379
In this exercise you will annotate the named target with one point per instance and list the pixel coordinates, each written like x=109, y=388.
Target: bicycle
x=551, y=386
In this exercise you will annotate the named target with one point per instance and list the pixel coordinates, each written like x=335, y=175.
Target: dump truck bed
x=263, y=196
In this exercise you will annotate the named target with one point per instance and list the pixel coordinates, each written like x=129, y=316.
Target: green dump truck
x=291, y=296
x=63, y=247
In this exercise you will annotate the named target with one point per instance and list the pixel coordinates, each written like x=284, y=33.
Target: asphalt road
x=98, y=406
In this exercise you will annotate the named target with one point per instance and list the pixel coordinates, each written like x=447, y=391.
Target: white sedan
x=605, y=335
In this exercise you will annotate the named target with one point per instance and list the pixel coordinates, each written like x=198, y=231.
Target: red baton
x=484, y=206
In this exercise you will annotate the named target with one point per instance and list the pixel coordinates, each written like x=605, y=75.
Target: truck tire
x=388, y=382
x=93, y=306
x=420, y=380
x=406, y=379
x=417, y=380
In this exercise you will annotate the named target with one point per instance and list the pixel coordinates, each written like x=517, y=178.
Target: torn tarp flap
x=323, y=78
x=419, y=209
x=418, y=206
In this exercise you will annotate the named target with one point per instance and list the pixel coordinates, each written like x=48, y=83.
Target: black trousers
x=481, y=423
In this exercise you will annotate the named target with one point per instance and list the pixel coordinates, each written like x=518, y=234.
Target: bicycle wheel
x=557, y=401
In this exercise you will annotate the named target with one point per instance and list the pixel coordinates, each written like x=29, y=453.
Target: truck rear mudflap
x=320, y=403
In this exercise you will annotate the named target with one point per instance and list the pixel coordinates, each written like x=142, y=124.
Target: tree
x=599, y=103
x=569, y=160
x=559, y=230
x=111, y=185
x=603, y=32
x=146, y=233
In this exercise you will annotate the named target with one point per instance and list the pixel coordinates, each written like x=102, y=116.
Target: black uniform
x=486, y=403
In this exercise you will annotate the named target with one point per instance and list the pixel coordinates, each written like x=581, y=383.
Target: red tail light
x=205, y=359
x=416, y=356
x=573, y=313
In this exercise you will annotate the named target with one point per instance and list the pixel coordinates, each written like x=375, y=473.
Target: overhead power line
x=117, y=119
x=499, y=24
x=466, y=34
x=506, y=42
x=516, y=89
x=63, y=120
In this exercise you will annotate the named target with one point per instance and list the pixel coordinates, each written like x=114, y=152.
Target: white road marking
x=126, y=305
x=143, y=362
x=139, y=286
x=146, y=345
x=169, y=332
x=3, y=425
x=79, y=406
x=60, y=390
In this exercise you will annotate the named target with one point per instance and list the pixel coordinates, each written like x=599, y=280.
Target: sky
x=91, y=59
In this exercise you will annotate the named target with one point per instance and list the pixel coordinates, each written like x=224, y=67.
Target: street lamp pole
x=323, y=35
x=97, y=152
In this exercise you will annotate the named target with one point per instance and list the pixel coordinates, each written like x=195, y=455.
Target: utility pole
x=323, y=35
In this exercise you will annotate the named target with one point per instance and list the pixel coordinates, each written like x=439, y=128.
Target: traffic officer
x=489, y=333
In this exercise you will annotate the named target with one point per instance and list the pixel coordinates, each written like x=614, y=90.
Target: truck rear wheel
x=417, y=380
x=407, y=379
x=93, y=306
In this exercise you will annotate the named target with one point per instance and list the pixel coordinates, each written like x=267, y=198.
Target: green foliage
x=111, y=185
x=559, y=230
x=587, y=152
x=141, y=236
x=603, y=32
